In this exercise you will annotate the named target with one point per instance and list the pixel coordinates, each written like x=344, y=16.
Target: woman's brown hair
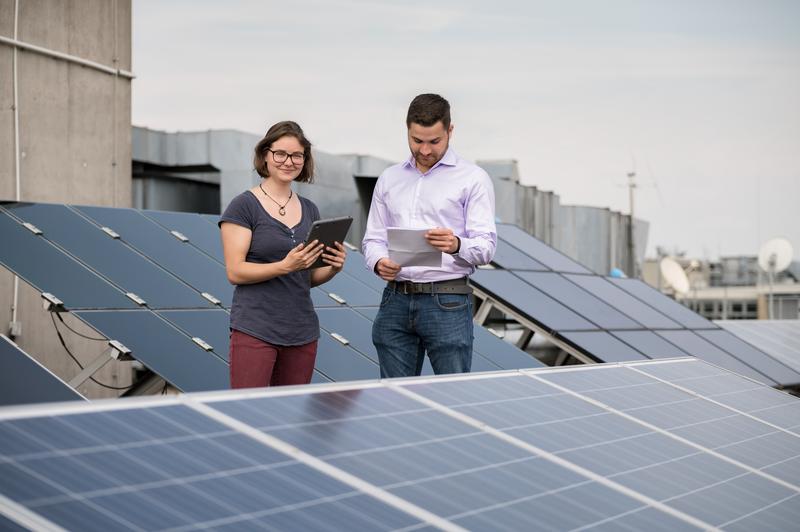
x=284, y=129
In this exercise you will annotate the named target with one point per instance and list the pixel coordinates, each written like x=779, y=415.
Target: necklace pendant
x=282, y=211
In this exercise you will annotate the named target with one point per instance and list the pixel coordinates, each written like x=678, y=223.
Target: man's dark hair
x=427, y=109
x=277, y=131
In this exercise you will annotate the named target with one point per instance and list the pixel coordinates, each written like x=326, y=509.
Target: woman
x=274, y=328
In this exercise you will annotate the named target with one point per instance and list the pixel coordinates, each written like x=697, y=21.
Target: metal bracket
x=202, y=343
x=342, y=340
x=110, y=232
x=350, y=246
x=338, y=299
x=136, y=299
x=212, y=299
x=180, y=236
x=115, y=351
x=525, y=339
x=32, y=228
x=51, y=303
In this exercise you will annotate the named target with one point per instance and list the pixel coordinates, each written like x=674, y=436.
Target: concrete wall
x=74, y=138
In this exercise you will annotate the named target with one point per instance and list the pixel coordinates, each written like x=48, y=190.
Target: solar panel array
x=155, y=281
x=24, y=381
x=658, y=445
x=610, y=319
x=779, y=338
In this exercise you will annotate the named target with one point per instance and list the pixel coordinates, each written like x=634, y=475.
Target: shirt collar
x=450, y=158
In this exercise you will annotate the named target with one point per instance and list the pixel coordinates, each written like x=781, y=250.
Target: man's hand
x=387, y=269
x=442, y=239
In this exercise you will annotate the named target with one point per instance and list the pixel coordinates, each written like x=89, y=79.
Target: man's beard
x=430, y=161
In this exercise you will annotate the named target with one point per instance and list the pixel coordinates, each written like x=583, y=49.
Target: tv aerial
x=774, y=256
x=674, y=275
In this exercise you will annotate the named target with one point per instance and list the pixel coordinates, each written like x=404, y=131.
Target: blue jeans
x=409, y=325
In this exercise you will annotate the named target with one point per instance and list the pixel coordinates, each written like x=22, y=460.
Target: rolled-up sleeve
x=375, y=245
x=479, y=243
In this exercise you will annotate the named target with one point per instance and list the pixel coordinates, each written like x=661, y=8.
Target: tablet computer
x=328, y=231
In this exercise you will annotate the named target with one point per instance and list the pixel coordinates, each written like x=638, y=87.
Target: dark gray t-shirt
x=279, y=310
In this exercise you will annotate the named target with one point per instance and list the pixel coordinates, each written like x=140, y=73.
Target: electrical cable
x=64, y=345
x=76, y=332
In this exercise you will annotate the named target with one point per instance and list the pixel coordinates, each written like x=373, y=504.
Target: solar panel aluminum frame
x=488, y=302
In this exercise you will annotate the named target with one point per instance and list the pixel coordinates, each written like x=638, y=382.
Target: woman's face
x=285, y=159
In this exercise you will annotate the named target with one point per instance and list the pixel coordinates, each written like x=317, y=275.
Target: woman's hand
x=302, y=256
x=335, y=257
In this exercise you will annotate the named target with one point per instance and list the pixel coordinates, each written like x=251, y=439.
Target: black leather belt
x=451, y=286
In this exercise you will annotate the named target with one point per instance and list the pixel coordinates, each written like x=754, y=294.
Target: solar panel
x=696, y=346
x=339, y=362
x=433, y=461
x=152, y=240
x=517, y=294
x=500, y=352
x=194, y=227
x=623, y=301
x=611, y=447
x=510, y=258
x=108, y=256
x=538, y=250
x=353, y=292
x=751, y=356
x=650, y=344
x=212, y=326
x=171, y=467
x=355, y=266
x=603, y=346
x=352, y=326
x=23, y=380
x=162, y=348
x=663, y=304
x=35, y=260
x=579, y=300
x=778, y=338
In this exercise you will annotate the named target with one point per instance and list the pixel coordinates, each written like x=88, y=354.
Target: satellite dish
x=674, y=275
x=775, y=255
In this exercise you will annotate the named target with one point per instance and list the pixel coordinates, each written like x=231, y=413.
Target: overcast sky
x=701, y=98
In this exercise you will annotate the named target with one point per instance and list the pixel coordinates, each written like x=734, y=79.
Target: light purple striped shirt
x=454, y=194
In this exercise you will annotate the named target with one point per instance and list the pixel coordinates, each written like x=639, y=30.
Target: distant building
x=733, y=288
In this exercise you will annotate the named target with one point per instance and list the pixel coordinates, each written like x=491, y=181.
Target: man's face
x=428, y=144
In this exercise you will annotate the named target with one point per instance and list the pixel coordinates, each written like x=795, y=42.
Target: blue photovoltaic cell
x=538, y=250
x=368, y=312
x=696, y=346
x=162, y=348
x=748, y=354
x=623, y=301
x=516, y=293
x=603, y=346
x=171, y=467
x=23, y=380
x=35, y=260
x=579, y=300
x=664, y=468
x=762, y=402
x=354, y=327
x=663, y=304
x=200, y=233
x=355, y=266
x=183, y=260
x=320, y=298
x=500, y=352
x=650, y=344
x=431, y=460
x=213, y=219
x=696, y=419
x=354, y=292
x=212, y=326
x=108, y=256
x=778, y=338
x=510, y=258
x=342, y=363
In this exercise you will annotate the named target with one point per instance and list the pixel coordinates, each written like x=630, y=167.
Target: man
x=428, y=309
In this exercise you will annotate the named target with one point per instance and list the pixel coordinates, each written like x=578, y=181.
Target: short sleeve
x=239, y=212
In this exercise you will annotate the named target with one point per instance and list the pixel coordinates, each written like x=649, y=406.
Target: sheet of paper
x=408, y=247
